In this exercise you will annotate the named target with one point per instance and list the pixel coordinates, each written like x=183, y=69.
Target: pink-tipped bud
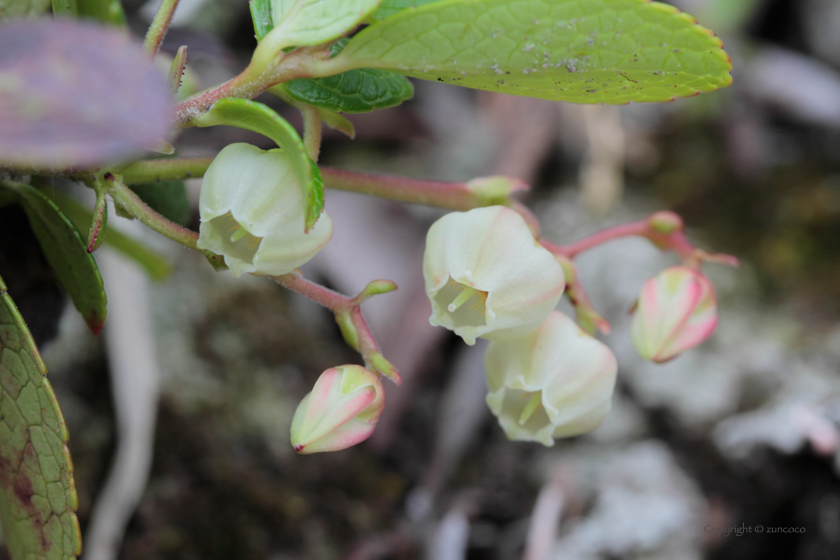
x=341, y=411
x=676, y=310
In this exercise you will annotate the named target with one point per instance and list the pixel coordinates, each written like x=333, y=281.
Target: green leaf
x=356, y=91
x=583, y=51
x=37, y=492
x=312, y=22
x=256, y=117
x=389, y=8
x=66, y=251
x=64, y=8
x=106, y=11
x=21, y=8
x=156, y=265
x=261, y=14
x=167, y=198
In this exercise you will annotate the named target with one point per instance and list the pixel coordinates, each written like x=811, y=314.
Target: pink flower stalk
x=341, y=411
x=676, y=310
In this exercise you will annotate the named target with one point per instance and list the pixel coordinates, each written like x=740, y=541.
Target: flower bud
x=496, y=189
x=341, y=411
x=253, y=213
x=555, y=382
x=487, y=276
x=676, y=310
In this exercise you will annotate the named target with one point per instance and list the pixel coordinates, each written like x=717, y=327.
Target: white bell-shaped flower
x=253, y=213
x=486, y=275
x=555, y=382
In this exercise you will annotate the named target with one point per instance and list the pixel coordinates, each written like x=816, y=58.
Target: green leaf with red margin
x=66, y=251
x=37, y=493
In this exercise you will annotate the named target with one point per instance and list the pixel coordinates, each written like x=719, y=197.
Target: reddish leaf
x=77, y=95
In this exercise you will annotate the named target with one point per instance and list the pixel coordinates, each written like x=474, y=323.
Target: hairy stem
x=159, y=27
x=265, y=70
x=153, y=170
x=126, y=199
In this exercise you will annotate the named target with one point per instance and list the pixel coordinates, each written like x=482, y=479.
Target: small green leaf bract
x=258, y=118
x=66, y=251
x=38, y=496
x=356, y=91
x=312, y=22
x=583, y=51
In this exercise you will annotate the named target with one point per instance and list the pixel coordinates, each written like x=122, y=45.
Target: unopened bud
x=341, y=411
x=676, y=310
x=496, y=189
x=666, y=222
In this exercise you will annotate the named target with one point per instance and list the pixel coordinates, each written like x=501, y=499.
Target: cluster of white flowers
x=486, y=276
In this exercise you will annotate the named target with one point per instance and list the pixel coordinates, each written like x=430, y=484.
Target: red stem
x=453, y=196
x=640, y=228
x=321, y=295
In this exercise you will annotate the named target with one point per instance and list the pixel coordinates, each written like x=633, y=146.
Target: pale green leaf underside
x=583, y=51
x=37, y=492
x=312, y=22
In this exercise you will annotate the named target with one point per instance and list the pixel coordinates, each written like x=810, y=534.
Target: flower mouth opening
x=465, y=305
x=236, y=240
x=526, y=408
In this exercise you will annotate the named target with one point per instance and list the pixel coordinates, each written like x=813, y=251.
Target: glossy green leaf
x=256, y=117
x=312, y=22
x=390, y=8
x=22, y=8
x=106, y=11
x=66, y=251
x=356, y=91
x=37, y=493
x=156, y=265
x=167, y=198
x=584, y=51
